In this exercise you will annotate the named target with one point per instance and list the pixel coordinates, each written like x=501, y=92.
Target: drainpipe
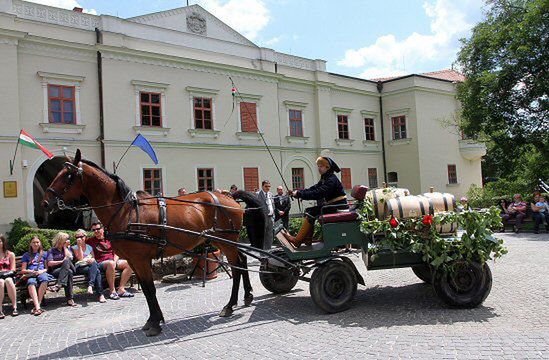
x=99, y=40
x=379, y=90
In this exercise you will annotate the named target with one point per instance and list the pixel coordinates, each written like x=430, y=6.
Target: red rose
x=393, y=222
x=427, y=219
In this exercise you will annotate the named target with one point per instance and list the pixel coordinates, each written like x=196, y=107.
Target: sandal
x=2, y=315
x=101, y=299
x=37, y=312
x=14, y=313
x=54, y=288
x=71, y=303
x=114, y=296
x=126, y=294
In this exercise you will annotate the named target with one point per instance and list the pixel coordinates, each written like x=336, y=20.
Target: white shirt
x=269, y=201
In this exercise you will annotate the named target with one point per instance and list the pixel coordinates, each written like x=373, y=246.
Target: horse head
x=67, y=185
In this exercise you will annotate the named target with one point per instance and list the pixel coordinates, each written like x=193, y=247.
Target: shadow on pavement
x=374, y=307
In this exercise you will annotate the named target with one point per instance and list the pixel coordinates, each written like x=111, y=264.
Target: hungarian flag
x=28, y=140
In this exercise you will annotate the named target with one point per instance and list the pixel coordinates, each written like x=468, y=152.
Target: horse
x=202, y=211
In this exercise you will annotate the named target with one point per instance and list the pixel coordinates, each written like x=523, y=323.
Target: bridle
x=73, y=171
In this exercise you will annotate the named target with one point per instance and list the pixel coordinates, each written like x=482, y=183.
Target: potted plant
x=199, y=265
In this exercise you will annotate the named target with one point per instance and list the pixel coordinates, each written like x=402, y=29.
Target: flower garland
x=420, y=235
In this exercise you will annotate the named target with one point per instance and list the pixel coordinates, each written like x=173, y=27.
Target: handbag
x=7, y=274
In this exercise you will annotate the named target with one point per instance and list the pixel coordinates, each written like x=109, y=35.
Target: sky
x=361, y=38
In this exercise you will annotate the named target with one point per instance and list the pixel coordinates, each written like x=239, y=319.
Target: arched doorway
x=65, y=219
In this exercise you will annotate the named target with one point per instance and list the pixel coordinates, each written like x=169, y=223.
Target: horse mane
x=121, y=186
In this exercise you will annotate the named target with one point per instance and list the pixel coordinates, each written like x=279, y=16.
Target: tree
x=505, y=95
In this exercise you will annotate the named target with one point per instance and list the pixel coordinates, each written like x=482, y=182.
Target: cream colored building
x=152, y=69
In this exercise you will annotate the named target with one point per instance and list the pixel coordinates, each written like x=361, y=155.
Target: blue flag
x=144, y=145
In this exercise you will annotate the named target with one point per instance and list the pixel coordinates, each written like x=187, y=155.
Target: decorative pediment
x=195, y=20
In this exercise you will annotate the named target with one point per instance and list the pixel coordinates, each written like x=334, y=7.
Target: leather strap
x=336, y=199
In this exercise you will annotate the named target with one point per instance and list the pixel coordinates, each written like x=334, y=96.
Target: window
x=369, y=129
x=343, y=127
x=296, y=123
x=150, y=105
x=298, y=180
x=152, y=181
x=399, y=127
x=346, y=180
x=372, y=178
x=61, y=104
x=205, y=179
x=392, y=177
x=203, y=113
x=248, y=117
x=251, y=179
x=452, y=174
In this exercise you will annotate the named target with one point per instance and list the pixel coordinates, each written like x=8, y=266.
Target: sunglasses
x=80, y=237
x=96, y=229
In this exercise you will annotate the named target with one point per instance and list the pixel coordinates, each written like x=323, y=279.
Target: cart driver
x=328, y=191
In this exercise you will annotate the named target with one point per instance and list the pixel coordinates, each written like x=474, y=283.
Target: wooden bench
x=527, y=219
x=78, y=280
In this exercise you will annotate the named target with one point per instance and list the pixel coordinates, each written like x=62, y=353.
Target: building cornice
x=53, y=15
x=419, y=88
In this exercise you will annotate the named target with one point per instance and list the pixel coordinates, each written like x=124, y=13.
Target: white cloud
x=248, y=17
x=389, y=56
x=273, y=41
x=65, y=4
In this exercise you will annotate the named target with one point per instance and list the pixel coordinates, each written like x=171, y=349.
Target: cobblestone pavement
x=393, y=316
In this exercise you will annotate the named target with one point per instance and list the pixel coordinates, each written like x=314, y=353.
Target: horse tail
x=255, y=219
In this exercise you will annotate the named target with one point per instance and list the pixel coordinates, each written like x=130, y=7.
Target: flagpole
x=125, y=152
x=12, y=162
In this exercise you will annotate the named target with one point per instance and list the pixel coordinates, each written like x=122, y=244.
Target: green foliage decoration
x=412, y=234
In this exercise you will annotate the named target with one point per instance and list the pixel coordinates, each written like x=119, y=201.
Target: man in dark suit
x=282, y=207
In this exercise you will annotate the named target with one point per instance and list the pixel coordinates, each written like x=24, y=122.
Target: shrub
x=45, y=236
x=19, y=228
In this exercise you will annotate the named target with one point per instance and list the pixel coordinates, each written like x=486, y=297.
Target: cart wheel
x=465, y=287
x=423, y=272
x=333, y=286
x=280, y=282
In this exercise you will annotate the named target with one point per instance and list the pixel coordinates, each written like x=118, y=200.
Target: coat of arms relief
x=196, y=23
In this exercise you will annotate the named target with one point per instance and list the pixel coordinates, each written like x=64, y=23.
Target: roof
x=446, y=74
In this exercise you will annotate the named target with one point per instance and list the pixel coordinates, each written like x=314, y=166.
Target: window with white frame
x=150, y=109
x=202, y=122
x=61, y=103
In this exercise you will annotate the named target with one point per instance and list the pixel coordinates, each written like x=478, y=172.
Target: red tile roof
x=446, y=74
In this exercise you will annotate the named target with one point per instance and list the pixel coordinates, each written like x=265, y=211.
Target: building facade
x=76, y=80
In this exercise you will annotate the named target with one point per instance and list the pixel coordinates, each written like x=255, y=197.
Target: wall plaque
x=10, y=189
x=196, y=23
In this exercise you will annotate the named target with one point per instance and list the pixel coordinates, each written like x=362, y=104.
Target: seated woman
x=86, y=265
x=60, y=264
x=34, y=269
x=7, y=272
x=328, y=191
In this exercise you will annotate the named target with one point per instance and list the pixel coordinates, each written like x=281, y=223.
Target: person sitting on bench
x=327, y=192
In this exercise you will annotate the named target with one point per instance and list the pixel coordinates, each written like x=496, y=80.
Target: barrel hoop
x=431, y=207
x=421, y=206
x=376, y=211
x=445, y=202
x=400, y=210
x=389, y=209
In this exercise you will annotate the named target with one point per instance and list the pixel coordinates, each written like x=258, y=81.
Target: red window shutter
x=346, y=178
x=248, y=117
x=251, y=179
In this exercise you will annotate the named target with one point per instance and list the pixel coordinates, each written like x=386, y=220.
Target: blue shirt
x=34, y=262
x=87, y=251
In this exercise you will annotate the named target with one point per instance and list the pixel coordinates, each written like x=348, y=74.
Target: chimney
x=78, y=9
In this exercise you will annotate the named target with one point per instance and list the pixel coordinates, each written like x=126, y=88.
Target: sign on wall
x=10, y=189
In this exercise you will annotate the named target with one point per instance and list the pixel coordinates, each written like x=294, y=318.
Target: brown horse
x=108, y=194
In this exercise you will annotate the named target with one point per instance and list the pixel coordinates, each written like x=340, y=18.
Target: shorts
x=35, y=281
x=102, y=265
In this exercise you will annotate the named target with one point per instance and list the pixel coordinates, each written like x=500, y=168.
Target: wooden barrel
x=409, y=207
x=442, y=201
x=379, y=198
x=416, y=206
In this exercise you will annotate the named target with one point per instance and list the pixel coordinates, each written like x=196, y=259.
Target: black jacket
x=282, y=203
x=329, y=187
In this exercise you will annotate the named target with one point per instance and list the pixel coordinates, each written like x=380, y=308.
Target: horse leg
x=143, y=272
x=233, y=259
x=248, y=296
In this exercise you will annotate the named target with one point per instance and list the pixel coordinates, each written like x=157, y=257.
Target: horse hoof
x=248, y=300
x=226, y=312
x=153, y=331
x=147, y=326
